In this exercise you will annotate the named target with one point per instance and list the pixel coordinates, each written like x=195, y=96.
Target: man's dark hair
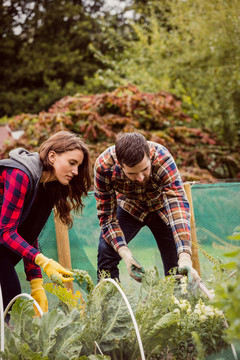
x=131, y=148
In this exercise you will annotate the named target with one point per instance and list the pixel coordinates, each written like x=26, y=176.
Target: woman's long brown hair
x=67, y=198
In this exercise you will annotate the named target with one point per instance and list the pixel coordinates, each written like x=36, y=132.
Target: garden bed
x=173, y=323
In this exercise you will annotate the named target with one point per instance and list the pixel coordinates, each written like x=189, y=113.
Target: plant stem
x=113, y=355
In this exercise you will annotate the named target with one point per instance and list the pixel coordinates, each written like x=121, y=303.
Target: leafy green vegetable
x=171, y=323
x=56, y=279
x=84, y=279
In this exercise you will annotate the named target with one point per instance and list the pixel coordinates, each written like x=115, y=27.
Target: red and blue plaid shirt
x=163, y=193
x=13, y=189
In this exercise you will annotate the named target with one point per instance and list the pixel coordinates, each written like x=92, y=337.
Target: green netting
x=216, y=211
x=217, y=214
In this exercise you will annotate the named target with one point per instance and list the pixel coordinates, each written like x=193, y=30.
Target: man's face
x=139, y=173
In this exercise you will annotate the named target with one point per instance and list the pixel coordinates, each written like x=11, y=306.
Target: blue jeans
x=108, y=258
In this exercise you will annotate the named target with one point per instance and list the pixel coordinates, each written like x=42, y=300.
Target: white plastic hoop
x=131, y=313
x=23, y=295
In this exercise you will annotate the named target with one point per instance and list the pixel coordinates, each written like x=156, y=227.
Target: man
x=137, y=183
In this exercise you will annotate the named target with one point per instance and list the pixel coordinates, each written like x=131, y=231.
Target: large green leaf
x=60, y=335
x=68, y=343
x=117, y=324
x=17, y=349
x=161, y=331
x=25, y=328
x=53, y=336
x=50, y=323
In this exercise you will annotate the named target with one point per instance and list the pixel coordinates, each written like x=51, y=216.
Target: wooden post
x=64, y=254
x=195, y=257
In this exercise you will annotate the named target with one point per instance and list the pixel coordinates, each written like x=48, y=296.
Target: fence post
x=195, y=257
x=63, y=247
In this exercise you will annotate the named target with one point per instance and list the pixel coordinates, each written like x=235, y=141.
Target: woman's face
x=66, y=165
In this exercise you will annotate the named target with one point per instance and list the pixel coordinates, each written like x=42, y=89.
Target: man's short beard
x=142, y=183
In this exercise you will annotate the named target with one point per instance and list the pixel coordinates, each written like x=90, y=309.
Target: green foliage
x=181, y=47
x=3, y=120
x=177, y=46
x=54, y=336
x=172, y=322
x=66, y=297
x=44, y=52
x=56, y=279
x=84, y=279
x=97, y=357
x=182, y=315
x=227, y=293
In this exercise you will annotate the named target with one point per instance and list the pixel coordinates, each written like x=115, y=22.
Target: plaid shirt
x=163, y=193
x=13, y=189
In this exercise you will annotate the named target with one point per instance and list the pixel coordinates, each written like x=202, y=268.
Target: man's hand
x=135, y=270
x=51, y=267
x=38, y=293
x=185, y=267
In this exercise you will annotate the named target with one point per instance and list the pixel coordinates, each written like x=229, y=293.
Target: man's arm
x=107, y=207
x=178, y=213
x=175, y=201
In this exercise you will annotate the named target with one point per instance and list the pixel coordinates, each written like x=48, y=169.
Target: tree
x=44, y=51
x=186, y=52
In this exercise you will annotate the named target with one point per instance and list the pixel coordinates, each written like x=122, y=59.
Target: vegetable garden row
x=173, y=321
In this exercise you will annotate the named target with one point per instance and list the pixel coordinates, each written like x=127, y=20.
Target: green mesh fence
x=217, y=214
x=216, y=211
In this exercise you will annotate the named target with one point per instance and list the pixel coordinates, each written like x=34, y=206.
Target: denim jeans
x=108, y=258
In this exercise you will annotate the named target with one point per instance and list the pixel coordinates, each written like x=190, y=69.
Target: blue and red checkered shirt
x=163, y=193
x=14, y=185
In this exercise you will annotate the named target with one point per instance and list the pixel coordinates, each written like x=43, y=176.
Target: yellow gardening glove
x=134, y=269
x=185, y=267
x=51, y=267
x=38, y=293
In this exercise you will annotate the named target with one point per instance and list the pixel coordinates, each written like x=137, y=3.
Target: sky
x=114, y=6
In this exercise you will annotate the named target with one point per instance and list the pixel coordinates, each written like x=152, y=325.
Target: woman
x=31, y=184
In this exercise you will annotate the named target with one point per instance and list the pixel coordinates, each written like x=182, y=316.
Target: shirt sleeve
x=31, y=269
x=107, y=207
x=15, y=188
x=175, y=200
